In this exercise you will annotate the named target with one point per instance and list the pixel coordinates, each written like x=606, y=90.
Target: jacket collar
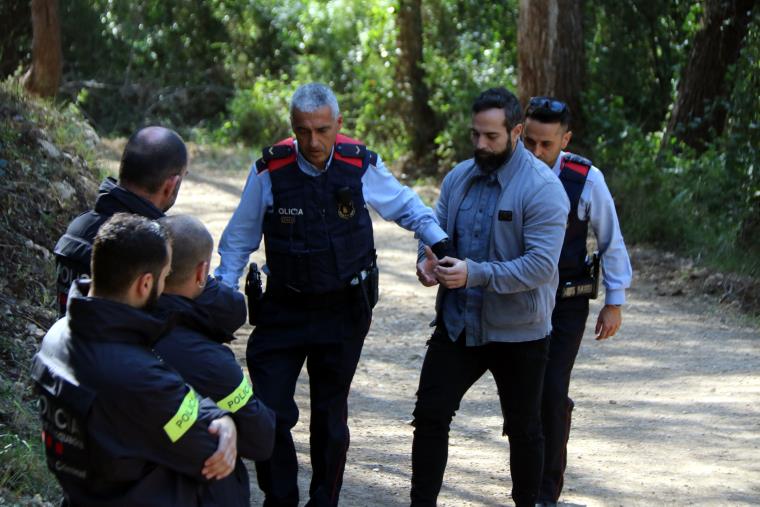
x=104, y=320
x=114, y=198
x=202, y=318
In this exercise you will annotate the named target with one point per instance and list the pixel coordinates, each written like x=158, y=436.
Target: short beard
x=489, y=162
x=152, y=301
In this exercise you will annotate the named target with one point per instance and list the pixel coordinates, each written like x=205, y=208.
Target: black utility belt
x=311, y=300
x=583, y=287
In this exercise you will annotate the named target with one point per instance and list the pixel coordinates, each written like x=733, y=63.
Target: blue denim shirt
x=462, y=307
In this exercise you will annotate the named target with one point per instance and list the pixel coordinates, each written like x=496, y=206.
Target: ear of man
x=566, y=138
x=139, y=291
x=167, y=189
x=201, y=273
x=516, y=133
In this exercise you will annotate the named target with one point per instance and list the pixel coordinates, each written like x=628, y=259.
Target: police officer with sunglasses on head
x=546, y=134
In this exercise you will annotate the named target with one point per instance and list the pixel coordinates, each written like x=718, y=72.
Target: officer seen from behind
x=119, y=426
x=308, y=196
x=151, y=171
x=546, y=134
x=195, y=347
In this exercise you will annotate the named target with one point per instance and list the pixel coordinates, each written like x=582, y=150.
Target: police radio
x=254, y=292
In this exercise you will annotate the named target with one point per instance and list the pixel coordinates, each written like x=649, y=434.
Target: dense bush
x=705, y=204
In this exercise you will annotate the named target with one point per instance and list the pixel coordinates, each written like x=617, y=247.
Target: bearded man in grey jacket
x=506, y=213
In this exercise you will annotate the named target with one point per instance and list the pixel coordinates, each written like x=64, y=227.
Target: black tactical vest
x=572, y=261
x=319, y=233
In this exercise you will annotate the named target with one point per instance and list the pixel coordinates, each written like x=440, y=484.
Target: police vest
x=318, y=235
x=572, y=261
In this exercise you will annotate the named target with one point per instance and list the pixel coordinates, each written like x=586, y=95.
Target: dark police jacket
x=120, y=427
x=74, y=248
x=319, y=235
x=195, y=348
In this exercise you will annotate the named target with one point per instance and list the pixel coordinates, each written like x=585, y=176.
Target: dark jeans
x=449, y=369
x=329, y=339
x=568, y=323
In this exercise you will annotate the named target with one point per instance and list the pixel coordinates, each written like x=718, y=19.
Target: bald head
x=192, y=245
x=152, y=155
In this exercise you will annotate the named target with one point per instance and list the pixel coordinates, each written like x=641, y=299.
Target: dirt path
x=667, y=412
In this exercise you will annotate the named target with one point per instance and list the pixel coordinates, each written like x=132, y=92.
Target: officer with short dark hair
x=309, y=197
x=195, y=347
x=547, y=132
x=151, y=171
x=119, y=426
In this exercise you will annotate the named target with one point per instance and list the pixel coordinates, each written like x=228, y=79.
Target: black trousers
x=448, y=371
x=329, y=338
x=568, y=322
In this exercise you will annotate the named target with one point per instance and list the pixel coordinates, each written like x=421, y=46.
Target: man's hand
x=221, y=464
x=608, y=322
x=451, y=272
x=426, y=267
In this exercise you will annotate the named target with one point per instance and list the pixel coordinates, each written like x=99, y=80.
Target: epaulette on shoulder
x=277, y=156
x=351, y=150
x=277, y=151
x=580, y=165
x=261, y=165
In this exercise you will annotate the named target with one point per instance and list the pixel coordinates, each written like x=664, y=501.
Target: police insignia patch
x=346, y=210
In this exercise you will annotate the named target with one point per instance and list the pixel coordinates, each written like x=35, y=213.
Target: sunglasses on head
x=546, y=104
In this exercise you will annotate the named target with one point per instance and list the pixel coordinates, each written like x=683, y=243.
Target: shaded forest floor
x=666, y=412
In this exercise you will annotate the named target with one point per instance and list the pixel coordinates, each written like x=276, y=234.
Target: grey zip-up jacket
x=520, y=276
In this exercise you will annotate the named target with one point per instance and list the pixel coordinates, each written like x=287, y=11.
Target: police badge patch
x=346, y=207
x=346, y=210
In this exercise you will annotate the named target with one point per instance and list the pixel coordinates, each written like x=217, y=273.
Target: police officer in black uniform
x=120, y=427
x=151, y=171
x=195, y=348
x=308, y=197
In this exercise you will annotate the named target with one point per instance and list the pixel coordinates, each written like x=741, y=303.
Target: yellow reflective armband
x=184, y=418
x=237, y=398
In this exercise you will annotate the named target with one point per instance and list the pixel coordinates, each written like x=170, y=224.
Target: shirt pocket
x=508, y=310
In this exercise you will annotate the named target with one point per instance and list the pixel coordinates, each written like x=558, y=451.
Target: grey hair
x=310, y=97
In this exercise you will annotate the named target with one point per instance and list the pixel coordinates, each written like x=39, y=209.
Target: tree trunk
x=699, y=113
x=44, y=76
x=421, y=123
x=550, y=55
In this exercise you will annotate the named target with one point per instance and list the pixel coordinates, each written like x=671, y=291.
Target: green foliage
x=258, y=115
x=470, y=47
x=15, y=35
x=702, y=204
x=635, y=50
x=343, y=43
x=144, y=61
x=706, y=205
x=23, y=470
x=224, y=70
